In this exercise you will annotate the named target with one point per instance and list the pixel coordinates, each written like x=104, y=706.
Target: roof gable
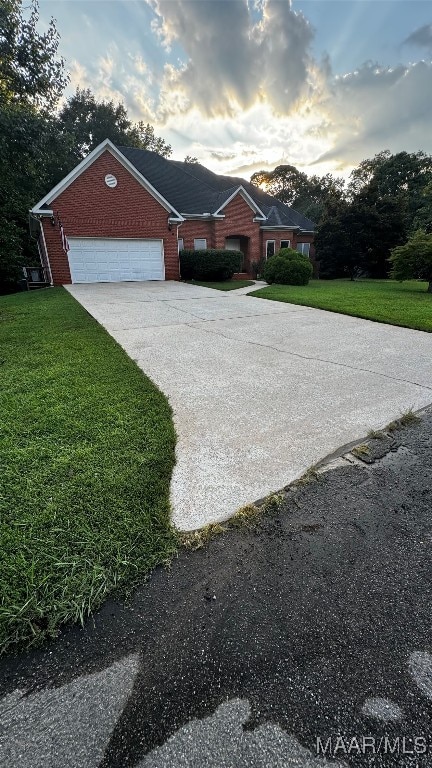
x=106, y=146
x=230, y=195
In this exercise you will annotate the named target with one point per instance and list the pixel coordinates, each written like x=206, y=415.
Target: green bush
x=210, y=264
x=288, y=267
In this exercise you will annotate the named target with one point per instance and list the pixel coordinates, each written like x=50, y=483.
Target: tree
x=403, y=176
x=423, y=217
x=377, y=223
x=30, y=71
x=142, y=136
x=190, y=159
x=414, y=259
x=90, y=122
x=31, y=80
x=319, y=192
x=308, y=195
x=339, y=250
x=285, y=182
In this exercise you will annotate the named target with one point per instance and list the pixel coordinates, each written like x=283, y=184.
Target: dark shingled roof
x=192, y=188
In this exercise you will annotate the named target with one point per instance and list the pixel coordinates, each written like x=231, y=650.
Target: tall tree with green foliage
x=90, y=122
x=32, y=79
x=414, y=259
x=285, y=182
x=307, y=194
x=403, y=176
x=339, y=249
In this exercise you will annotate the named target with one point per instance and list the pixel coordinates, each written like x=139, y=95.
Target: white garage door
x=97, y=260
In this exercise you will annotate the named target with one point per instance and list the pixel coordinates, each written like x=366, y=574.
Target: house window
x=200, y=244
x=180, y=244
x=285, y=243
x=270, y=248
x=303, y=248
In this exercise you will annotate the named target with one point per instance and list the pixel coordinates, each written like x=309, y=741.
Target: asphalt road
x=311, y=633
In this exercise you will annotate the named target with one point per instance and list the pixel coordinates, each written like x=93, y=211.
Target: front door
x=233, y=244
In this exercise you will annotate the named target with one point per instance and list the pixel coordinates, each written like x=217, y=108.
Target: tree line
x=42, y=137
x=386, y=200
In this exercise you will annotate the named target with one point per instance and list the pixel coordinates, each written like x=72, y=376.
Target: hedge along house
x=125, y=213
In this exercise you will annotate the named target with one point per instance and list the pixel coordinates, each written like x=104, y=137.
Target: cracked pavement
x=312, y=624
x=260, y=390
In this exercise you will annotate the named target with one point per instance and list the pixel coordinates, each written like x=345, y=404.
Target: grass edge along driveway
x=87, y=451
x=222, y=285
x=385, y=301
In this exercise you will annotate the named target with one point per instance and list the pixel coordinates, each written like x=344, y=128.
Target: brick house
x=124, y=214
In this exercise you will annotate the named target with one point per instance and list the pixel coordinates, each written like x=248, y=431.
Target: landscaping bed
x=87, y=451
x=386, y=301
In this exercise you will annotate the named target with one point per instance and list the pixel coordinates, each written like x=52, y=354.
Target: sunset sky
x=250, y=84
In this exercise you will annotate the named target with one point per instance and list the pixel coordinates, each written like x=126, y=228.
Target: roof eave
x=290, y=227
x=104, y=146
x=41, y=212
x=201, y=216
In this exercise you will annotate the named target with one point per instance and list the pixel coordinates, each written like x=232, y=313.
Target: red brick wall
x=277, y=236
x=88, y=208
x=295, y=237
x=193, y=228
x=239, y=221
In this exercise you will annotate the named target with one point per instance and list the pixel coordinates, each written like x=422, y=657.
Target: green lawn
x=86, y=450
x=226, y=285
x=385, y=301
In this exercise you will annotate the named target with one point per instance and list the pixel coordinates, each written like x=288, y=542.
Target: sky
x=245, y=85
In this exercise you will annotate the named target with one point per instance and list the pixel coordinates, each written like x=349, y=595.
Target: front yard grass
x=87, y=450
x=385, y=301
x=225, y=285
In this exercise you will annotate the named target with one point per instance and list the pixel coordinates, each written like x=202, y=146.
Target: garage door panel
x=96, y=260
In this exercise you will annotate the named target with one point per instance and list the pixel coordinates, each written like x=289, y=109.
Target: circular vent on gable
x=110, y=180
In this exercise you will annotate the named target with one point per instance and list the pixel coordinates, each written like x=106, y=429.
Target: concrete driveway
x=260, y=390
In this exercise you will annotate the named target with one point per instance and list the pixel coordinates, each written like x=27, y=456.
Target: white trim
x=106, y=145
x=247, y=198
x=276, y=227
x=301, y=250
x=111, y=237
x=206, y=216
x=202, y=239
x=46, y=253
x=285, y=241
x=274, y=245
x=43, y=212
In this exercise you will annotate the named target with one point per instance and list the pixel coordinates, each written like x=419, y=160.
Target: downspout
x=44, y=245
x=179, y=225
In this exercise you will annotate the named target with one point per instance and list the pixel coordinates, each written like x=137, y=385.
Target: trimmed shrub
x=210, y=264
x=288, y=267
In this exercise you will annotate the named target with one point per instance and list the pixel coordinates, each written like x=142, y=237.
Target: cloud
x=234, y=83
x=377, y=107
x=233, y=58
x=119, y=78
x=421, y=37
